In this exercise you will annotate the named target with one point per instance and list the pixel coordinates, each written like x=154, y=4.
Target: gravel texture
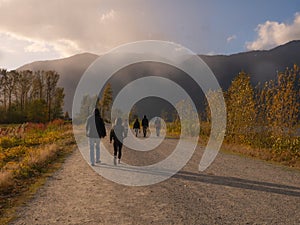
x=233, y=190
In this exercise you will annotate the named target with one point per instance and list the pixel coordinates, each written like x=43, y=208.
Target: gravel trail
x=233, y=190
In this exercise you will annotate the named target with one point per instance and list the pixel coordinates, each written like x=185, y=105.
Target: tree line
x=266, y=115
x=30, y=96
x=103, y=101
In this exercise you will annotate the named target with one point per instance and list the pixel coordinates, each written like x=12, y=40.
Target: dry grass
x=284, y=158
x=21, y=177
x=6, y=179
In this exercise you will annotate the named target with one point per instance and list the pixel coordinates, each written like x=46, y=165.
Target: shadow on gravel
x=212, y=179
x=239, y=183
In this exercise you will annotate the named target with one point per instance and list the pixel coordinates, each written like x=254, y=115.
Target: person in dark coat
x=145, y=125
x=117, y=134
x=136, y=126
x=95, y=129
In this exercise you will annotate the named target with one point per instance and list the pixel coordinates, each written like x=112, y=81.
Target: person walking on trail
x=136, y=126
x=117, y=134
x=95, y=130
x=145, y=125
x=157, y=124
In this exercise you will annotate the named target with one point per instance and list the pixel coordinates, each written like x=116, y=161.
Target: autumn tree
x=133, y=114
x=241, y=112
x=282, y=100
x=188, y=115
x=214, y=103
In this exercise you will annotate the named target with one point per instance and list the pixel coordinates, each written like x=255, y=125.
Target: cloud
x=70, y=27
x=35, y=29
x=231, y=38
x=37, y=47
x=272, y=34
x=107, y=16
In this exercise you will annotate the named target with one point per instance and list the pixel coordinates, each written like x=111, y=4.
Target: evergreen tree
x=66, y=116
x=106, y=102
x=37, y=111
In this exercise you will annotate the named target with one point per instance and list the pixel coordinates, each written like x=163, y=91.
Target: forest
x=30, y=96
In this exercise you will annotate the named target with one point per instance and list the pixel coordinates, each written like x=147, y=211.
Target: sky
x=33, y=30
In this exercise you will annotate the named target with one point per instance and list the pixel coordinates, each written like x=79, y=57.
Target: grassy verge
x=282, y=158
x=26, y=164
x=281, y=153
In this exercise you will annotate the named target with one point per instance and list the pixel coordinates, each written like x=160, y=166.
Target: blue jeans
x=94, y=142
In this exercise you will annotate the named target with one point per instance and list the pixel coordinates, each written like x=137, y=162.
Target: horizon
x=46, y=31
x=91, y=53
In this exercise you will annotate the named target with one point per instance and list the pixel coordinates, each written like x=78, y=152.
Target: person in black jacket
x=136, y=126
x=117, y=134
x=95, y=129
x=145, y=125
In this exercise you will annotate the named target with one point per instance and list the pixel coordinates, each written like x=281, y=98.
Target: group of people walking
x=95, y=130
x=137, y=127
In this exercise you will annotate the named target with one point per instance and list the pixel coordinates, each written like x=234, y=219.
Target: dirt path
x=234, y=190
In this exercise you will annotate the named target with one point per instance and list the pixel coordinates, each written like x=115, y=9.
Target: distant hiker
x=136, y=126
x=117, y=135
x=157, y=124
x=145, y=125
x=95, y=129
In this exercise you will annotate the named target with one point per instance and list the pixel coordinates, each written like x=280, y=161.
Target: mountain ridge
x=261, y=65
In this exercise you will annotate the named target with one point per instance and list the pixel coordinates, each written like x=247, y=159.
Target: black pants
x=118, y=148
x=145, y=131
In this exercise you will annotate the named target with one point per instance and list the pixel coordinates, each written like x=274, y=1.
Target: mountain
x=260, y=65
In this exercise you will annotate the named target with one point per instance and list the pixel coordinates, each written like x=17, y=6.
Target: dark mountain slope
x=261, y=65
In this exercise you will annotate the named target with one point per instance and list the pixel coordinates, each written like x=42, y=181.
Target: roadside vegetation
x=27, y=152
x=262, y=121
x=34, y=134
